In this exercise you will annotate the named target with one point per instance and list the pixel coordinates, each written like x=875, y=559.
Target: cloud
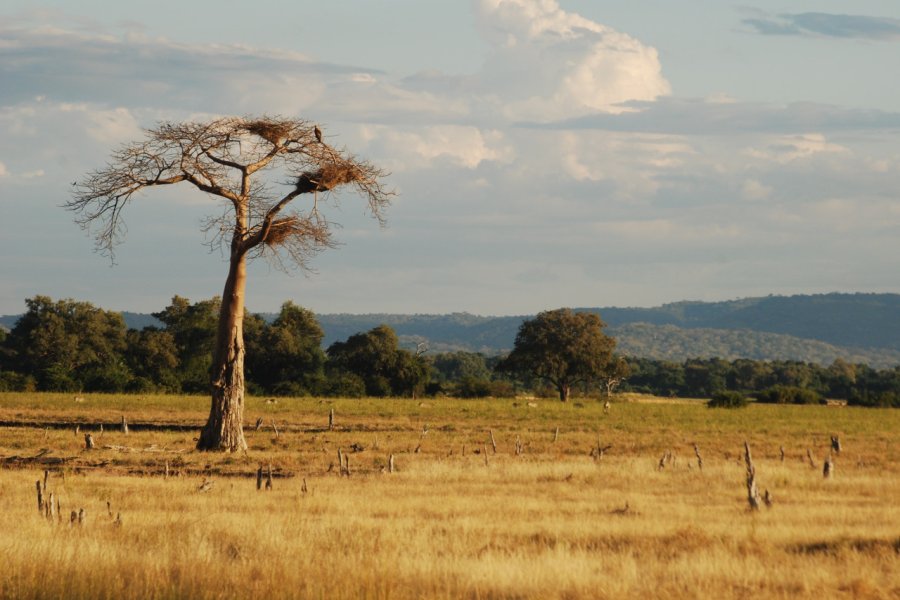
x=547, y=63
x=463, y=146
x=827, y=25
x=687, y=116
x=138, y=71
x=790, y=148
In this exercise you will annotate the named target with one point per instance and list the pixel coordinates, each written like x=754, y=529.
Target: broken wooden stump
x=493, y=441
x=269, y=478
x=699, y=458
x=124, y=425
x=331, y=420
x=391, y=463
x=40, y=495
x=752, y=489
x=828, y=468
x=836, y=444
x=88, y=441
x=259, y=474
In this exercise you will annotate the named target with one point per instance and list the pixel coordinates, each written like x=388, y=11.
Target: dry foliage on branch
x=238, y=161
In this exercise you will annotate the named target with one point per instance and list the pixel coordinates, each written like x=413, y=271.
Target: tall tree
x=562, y=347
x=257, y=167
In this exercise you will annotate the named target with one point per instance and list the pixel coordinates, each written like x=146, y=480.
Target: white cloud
x=462, y=146
x=549, y=64
x=753, y=189
x=786, y=149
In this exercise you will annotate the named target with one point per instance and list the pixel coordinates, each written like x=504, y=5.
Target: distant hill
x=859, y=328
x=856, y=320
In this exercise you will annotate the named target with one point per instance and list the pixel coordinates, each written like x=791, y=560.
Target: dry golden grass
x=549, y=523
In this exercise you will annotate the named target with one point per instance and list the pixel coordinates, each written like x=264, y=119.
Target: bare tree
x=238, y=161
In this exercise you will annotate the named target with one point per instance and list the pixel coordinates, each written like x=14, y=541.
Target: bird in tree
x=257, y=167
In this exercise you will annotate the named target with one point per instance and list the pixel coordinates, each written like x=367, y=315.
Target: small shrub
x=727, y=399
x=785, y=394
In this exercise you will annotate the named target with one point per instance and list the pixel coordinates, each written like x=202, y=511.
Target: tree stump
x=259, y=478
x=124, y=425
x=269, y=478
x=752, y=489
x=88, y=442
x=40, y=496
x=828, y=468
x=493, y=442
x=391, y=464
x=331, y=420
x=836, y=444
x=699, y=458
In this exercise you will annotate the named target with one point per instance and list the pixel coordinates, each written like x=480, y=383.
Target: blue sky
x=546, y=153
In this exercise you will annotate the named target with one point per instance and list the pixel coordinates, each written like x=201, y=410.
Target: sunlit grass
x=549, y=523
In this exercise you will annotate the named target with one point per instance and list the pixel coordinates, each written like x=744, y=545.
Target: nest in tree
x=328, y=177
x=284, y=228
x=273, y=131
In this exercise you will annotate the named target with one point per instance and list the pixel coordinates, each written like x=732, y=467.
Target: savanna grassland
x=456, y=518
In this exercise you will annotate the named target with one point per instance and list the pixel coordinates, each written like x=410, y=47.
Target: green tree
x=239, y=162
x=376, y=358
x=152, y=356
x=193, y=327
x=70, y=346
x=290, y=359
x=562, y=347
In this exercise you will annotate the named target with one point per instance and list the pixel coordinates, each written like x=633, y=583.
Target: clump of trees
x=73, y=346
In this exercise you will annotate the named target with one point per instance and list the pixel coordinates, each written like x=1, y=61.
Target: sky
x=545, y=153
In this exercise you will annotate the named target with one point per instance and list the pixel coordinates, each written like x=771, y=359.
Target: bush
x=344, y=385
x=785, y=394
x=11, y=381
x=875, y=399
x=471, y=387
x=727, y=399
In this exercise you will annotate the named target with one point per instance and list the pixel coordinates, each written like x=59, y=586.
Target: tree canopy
x=562, y=347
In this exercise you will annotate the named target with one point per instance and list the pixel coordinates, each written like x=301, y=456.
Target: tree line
x=72, y=346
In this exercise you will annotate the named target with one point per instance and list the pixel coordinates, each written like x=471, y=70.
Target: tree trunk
x=224, y=428
x=564, y=391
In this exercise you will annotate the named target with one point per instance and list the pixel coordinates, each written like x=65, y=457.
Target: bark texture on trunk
x=224, y=429
x=564, y=391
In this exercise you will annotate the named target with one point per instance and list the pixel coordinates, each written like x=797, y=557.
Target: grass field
x=549, y=522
